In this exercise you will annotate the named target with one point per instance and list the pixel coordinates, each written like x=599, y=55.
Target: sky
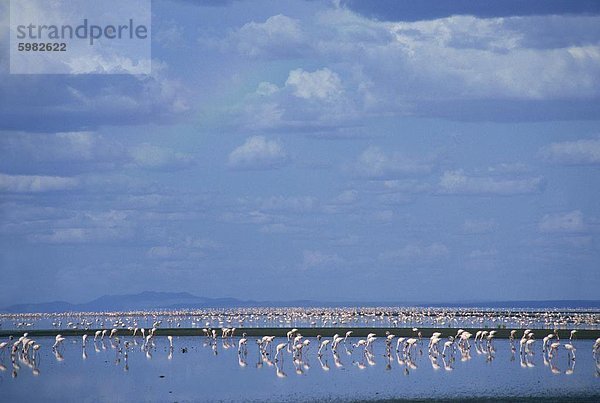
x=326, y=150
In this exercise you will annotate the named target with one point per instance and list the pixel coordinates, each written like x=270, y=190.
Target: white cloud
x=487, y=58
x=483, y=254
x=82, y=235
x=125, y=99
x=384, y=216
x=417, y=253
x=266, y=88
x=278, y=36
x=456, y=182
x=479, y=226
x=579, y=152
x=249, y=217
x=563, y=222
x=258, y=153
x=150, y=156
x=346, y=197
x=508, y=168
x=276, y=228
x=321, y=84
x=169, y=35
x=80, y=147
x=182, y=249
x=315, y=258
x=35, y=183
x=375, y=163
x=289, y=204
x=68, y=225
x=425, y=67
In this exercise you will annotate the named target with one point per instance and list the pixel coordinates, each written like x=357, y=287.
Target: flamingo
x=3, y=346
x=596, y=346
x=278, y=349
x=361, y=342
x=242, y=343
x=546, y=340
x=571, y=349
x=370, y=339
x=433, y=344
x=57, y=341
x=398, y=342
x=324, y=344
x=529, y=345
x=290, y=334
x=409, y=344
x=553, y=347
x=447, y=344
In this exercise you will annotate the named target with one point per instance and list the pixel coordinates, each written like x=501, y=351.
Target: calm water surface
x=315, y=317
x=199, y=369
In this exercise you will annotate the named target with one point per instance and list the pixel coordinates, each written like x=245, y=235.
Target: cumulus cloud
x=563, y=222
x=491, y=67
x=266, y=88
x=321, y=84
x=375, y=163
x=35, y=183
x=188, y=248
x=150, y=156
x=383, y=216
x=346, y=197
x=84, y=151
x=248, y=217
x=297, y=204
x=578, y=152
x=61, y=152
x=483, y=254
x=81, y=235
x=508, y=168
x=315, y=258
x=258, y=153
x=74, y=103
x=478, y=226
x=276, y=228
x=416, y=253
x=76, y=226
x=456, y=182
x=278, y=36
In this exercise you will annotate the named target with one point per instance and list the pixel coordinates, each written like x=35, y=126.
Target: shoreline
x=426, y=332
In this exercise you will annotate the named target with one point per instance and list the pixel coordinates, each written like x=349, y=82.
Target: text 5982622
x=42, y=47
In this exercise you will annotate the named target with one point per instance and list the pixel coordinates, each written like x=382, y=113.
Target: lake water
x=317, y=317
x=202, y=369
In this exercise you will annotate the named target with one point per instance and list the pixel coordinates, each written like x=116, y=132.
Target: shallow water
x=201, y=369
x=313, y=317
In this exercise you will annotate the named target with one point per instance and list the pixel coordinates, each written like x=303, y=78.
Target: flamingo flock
x=125, y=335
x=232, y=318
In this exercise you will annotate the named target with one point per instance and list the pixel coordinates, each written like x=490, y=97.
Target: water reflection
x=307, y=357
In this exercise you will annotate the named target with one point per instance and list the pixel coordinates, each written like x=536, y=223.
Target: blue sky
x=314, y=149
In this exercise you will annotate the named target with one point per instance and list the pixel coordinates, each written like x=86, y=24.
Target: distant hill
x=149, y=300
